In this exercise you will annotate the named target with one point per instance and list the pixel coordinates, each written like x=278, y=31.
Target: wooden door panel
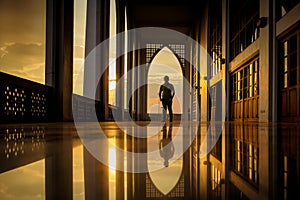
x=293, y=102
x=284, y=110
x=246, y=109
x=251, y=111
x=255, y=108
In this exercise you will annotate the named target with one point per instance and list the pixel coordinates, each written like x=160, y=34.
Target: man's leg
x=170, y=110
x=164, y=113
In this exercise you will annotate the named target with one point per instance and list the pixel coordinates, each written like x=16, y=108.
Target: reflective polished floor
x=149, y=161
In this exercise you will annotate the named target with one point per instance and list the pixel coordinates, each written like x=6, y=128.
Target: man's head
x=166, y=79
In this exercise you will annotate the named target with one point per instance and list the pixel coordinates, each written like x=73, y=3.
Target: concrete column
x=97, y=30
x=140, y=95
x=189, y=88
x=274, y=67
x=142, y=91
x=120, y=61
x=135, y=80
x=130, y=82
x=59, y=55
x=197, y=66
x=186, y=109
x=203, y=67
x=265, y=59
x=226, y=105
x=192, y=68
x=225, y=55
x=131, y=63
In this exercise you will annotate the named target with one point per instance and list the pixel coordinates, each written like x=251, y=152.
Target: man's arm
x=159, y=93
x=172, y=92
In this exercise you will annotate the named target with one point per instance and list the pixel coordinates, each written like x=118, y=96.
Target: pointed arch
x=164, y=62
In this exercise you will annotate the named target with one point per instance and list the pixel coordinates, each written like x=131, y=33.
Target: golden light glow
x=78, y=173
x=112, y=167
x=80, y=7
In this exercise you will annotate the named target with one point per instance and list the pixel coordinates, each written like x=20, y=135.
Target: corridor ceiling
x=178, y=15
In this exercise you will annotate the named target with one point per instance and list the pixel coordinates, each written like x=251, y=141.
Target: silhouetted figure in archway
x=166, y=146
x=166, y=94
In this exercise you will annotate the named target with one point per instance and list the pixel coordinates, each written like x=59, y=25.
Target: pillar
x=265, y=59
x=97, y=30
x=142, y=90
x=120, y=61
x=203, y=67
x=59, y=55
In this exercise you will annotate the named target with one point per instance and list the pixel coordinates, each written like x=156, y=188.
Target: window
x=289, y=76
x=245, y=91
x=22, y=38
x=289, y=61
x=245, y=82
x=243, y=30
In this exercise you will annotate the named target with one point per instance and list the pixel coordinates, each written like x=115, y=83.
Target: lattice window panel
x=153, y=192
x=15, y=101
x=179, y=49
x=151, y=50
x=38, y=104
x=18, y=102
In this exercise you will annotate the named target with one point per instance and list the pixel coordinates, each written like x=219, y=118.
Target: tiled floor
x=149, y=161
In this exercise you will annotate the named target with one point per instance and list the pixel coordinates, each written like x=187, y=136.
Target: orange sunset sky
x=22, y=49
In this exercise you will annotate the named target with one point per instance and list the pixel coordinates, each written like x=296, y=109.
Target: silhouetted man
x=166, y=94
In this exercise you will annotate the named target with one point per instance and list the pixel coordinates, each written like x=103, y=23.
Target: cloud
x=24, y=60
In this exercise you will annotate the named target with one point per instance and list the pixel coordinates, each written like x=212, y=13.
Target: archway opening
x=165, y=63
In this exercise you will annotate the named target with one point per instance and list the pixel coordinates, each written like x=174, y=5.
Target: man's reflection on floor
x=166, y=146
